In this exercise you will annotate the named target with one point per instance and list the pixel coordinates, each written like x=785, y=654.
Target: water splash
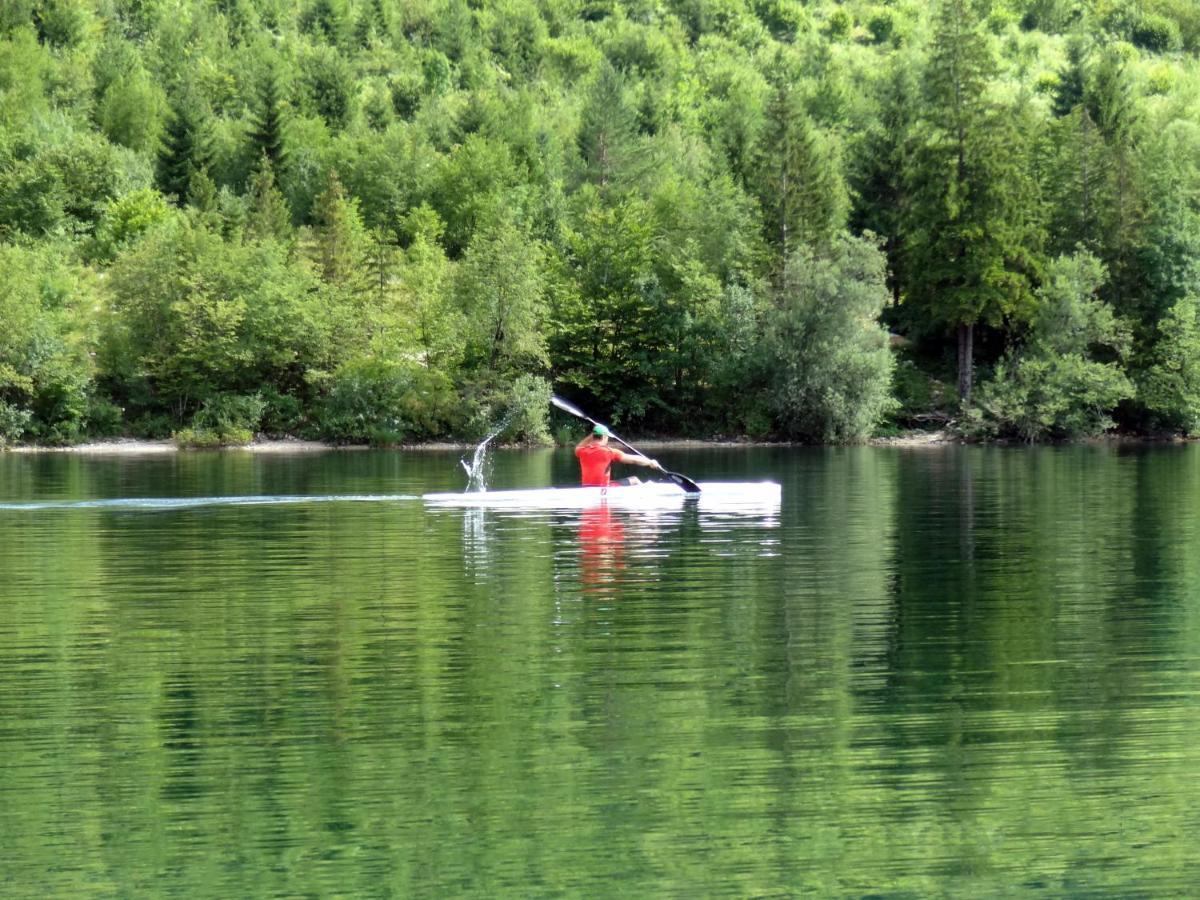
x=480, y=467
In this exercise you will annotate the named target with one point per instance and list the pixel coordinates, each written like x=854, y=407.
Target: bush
x=1055, y=386
x=224, y=420
x=1041, y=397
x=384, y=402
x=14, y=422
x=881, y=25
x=125, y=220
x=283, y=414
x=516, y=411
x=45, y=368
x=104, y=418
x=832, y=364
x=1169, y=389
x=1156, y=33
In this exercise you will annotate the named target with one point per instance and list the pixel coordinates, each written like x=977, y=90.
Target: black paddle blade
x=689, y=486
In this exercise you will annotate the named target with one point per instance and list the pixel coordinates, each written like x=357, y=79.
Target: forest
x=395, y=221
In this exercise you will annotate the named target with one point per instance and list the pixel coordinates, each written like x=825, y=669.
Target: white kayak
x=731, y=496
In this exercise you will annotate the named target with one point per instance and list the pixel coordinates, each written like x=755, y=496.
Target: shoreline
x=284, y=446
x=147, y=447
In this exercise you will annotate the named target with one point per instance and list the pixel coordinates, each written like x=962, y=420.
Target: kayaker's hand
x=655, y=464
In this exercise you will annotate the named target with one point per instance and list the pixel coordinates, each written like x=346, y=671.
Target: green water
x=950, y=671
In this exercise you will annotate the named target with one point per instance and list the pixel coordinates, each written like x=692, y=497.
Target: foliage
x=193, y=316
x=501, y=295
x=45, y=371
x=385, y=402
x=830, y=362
x=1066, y=378
x=320, y=200
x=224, y=420
x=1169, y=388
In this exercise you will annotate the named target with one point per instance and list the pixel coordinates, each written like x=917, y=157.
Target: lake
x=935, y=671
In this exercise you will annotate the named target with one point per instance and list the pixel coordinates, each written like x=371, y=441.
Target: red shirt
x=595, y=460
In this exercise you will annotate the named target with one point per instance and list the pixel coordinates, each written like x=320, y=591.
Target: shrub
x=881, y=25
x=283, y=414
x=517, y=411
x=1057, y=385
x=1156, y=33
x=1169, y=389
x=224, y=420
x=104, y=418
x=13, y=423
x=384, y=401
x=832, y=364
x=125, y=220
x=1039, y=397
x=45, y=368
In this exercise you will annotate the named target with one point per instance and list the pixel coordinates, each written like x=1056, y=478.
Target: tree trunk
x=966, y=347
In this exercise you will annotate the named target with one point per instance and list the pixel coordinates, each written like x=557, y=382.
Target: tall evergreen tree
x=799, y=179
x=608, y=139
x=381, y=273
x=267, y=131
x=1076, y=182
x=268, y=215
x=971, y=226
x=186, y=147
x=1112, y=103
x=340, y=245
x=1072, y=80
x=879, y=190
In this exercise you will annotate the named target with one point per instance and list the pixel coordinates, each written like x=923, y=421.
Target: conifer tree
x=185, y=147
x=381, y=271
x=799, y=179
x=267, y=131
x=268, y=215
x=608, y=139
x=971, y=228
x=340, y=239
x=1112, y=103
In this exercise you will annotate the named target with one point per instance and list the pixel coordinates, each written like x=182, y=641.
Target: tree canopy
x=384, y=220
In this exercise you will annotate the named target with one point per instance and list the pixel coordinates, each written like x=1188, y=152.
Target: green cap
x=600, y=431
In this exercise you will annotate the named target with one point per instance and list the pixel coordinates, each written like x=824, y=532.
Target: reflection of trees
x=329, y=698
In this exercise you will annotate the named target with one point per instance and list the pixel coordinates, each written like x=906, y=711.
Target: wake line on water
x=166, y=503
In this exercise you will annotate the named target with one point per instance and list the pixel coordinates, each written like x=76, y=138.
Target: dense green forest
x=399, y=221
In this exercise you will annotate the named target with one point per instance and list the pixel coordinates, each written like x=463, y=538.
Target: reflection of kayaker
x=596, y=459
x=601, y=539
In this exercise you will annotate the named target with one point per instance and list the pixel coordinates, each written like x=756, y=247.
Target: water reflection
x=601, y=546
x=961, y=671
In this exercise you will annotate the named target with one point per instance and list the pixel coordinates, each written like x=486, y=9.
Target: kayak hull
x=734, y=495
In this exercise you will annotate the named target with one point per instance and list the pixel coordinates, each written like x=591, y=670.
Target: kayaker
x=596, y=459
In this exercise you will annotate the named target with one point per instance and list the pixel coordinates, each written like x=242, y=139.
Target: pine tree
x=1072, y=80
x=268, y=215
x=608, y=139
x=1112, y=103
x=267, y=133
x=879, y=190
x=381, y=271
x=799, y=181
x=185, y=147
x=971, y=229
x=1076, y=183
x=340, y=238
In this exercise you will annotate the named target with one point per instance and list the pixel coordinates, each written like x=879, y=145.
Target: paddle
x=683, y=481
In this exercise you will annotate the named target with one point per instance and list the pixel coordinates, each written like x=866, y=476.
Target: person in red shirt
x=596, y=459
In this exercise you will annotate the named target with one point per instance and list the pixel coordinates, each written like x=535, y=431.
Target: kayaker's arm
x=646, y=461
